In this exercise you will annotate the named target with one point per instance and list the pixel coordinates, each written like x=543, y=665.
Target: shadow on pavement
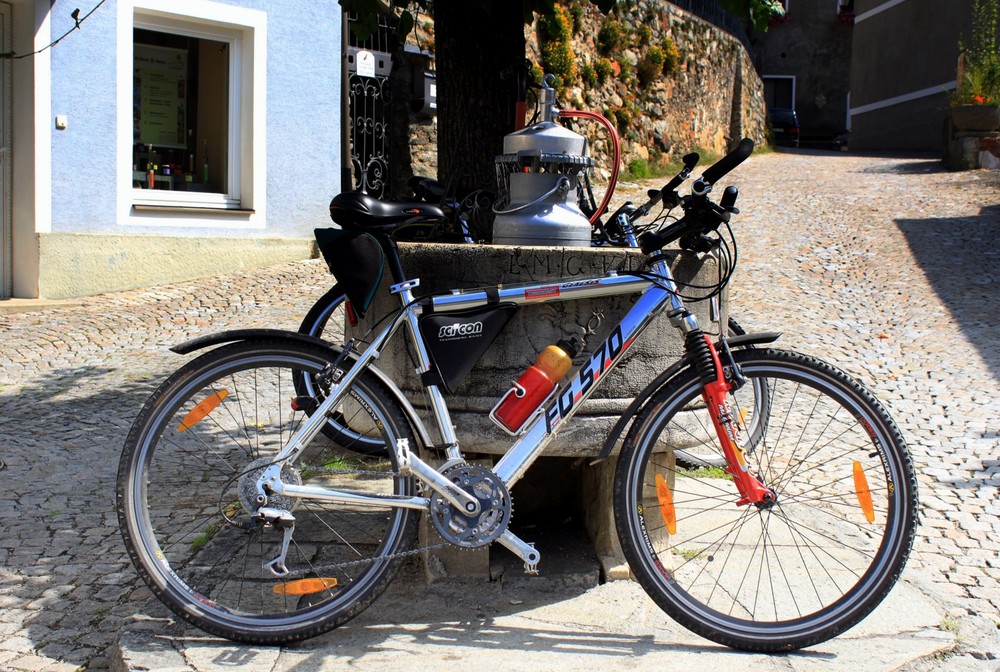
x=66, y=580
x=928, y=167
x=462, y=623
x=961, y=259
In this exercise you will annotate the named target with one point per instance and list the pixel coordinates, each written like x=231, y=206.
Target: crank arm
x=411, y=464
x=353, y=498
x=521, y=549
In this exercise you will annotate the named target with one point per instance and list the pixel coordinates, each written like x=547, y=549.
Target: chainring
x=477, y=530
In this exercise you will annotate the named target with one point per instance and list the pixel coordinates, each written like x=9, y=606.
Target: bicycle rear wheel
x=326, y=319
x=781, y=577
x=187, y=498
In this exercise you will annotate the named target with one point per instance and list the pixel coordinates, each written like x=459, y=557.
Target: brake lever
x=728, y=200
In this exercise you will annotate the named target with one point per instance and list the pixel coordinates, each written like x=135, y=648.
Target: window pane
x=180, y=113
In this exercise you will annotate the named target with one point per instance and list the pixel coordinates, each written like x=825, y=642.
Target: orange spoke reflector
x=198, y=413
x=743, y=416
x=864, y=494
x=666, y=504
x=304, y=586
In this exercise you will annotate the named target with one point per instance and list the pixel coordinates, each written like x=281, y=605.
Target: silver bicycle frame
x=658, y=292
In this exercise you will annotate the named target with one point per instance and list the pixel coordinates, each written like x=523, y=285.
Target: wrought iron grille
x=370, y=116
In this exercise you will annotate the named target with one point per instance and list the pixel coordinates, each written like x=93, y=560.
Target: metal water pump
x=537, y=177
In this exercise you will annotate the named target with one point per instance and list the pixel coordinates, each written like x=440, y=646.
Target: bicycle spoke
x=207, y=529
x=744, y=574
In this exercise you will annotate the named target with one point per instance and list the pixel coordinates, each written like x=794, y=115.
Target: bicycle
x=439, y=223
x=248, y=521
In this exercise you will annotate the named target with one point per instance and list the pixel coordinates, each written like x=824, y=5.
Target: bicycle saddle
x=357, y=211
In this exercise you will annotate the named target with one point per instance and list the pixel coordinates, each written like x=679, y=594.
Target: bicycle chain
x=366, y=561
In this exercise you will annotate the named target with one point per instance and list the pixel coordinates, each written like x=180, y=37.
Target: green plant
x=650, y=66
x=978, y=79
x=687, y=554
x=950, y=624
x=610, y=37
x=205, y=537
x=623, y=116
x=671, y=55
x=554, y=33
x=577, y=11
x=588, y=74
x=638, y=169
x=603, y=68
x=654, y=168
x=707, y=472
x=626, y=71
x=644, y=33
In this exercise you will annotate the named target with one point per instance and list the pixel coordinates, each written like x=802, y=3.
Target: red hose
x=616, y=152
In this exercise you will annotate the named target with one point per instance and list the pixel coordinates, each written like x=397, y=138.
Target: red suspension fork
x=752, y=491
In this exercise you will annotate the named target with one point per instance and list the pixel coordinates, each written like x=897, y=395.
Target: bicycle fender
x=218, y=338
x=744, y=341
x=235, y=335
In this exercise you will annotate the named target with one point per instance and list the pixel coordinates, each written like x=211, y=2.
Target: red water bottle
x=534, y=386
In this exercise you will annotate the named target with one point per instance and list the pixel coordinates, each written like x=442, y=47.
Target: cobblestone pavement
x=885, y=266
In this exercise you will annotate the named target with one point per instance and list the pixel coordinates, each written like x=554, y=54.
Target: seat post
x=391, y=250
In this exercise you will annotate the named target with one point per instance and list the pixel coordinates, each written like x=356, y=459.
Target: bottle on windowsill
x=204, y=167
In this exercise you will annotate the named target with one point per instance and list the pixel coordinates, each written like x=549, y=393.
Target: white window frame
x=245, y=31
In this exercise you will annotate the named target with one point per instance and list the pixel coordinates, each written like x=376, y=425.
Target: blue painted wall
x=83, y=88
x=303, y=120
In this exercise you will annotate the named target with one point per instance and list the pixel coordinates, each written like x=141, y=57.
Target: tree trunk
x=480, y=46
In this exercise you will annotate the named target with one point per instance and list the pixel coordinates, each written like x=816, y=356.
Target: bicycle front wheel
x=775, y=577
x=694, y=457
x=188, y=503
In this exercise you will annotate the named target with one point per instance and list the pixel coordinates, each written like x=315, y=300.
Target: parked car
x=785, y=126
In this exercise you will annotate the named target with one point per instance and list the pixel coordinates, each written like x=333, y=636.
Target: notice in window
x=160, y=96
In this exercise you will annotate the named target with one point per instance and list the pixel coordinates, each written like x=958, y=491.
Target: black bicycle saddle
x=358, y=211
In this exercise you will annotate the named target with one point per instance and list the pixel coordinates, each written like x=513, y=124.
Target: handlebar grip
x=734, y=158
x=674, y=182
x=729, y=196
x=690, y=161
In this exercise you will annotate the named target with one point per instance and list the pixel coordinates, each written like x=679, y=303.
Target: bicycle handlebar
x=734, y=158
x=701, y=215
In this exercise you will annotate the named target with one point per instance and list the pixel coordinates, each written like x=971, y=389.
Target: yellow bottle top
x=555, y=362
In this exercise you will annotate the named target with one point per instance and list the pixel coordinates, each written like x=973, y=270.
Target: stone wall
x=713, y=98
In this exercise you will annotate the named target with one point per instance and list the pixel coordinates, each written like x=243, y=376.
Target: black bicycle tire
x=315, y=320
x=660, y=580
x=314, y=324
x=169, y=587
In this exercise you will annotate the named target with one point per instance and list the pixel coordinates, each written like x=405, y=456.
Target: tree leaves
x=758, y=12
x=367, y=12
